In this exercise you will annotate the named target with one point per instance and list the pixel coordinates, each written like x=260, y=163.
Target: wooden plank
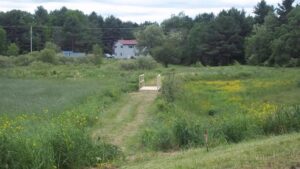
x=149, y=88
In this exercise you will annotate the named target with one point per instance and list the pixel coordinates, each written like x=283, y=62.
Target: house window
x=121, y=46
x=121, y=54
x=130, y=46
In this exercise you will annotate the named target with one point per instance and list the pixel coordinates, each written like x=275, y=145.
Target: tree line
x=69, y=29
x=270, y=37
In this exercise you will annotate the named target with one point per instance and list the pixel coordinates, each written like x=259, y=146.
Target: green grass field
x=273, y=152
x=54, y=115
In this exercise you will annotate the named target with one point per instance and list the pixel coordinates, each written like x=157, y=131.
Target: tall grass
x=231, y=105
x=47, y=111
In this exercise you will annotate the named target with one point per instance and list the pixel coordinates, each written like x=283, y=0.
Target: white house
x=125, y=49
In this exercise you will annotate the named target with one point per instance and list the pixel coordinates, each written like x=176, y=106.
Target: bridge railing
x=141, y=81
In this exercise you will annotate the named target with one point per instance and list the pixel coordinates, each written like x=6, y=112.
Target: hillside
x=274, y=152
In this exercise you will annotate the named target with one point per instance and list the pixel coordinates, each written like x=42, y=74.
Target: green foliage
x=275, y=43
x=284, y=9
x=232, y=104
x=261, y=10
x=5, y=62
x=52, y=46
x=53, y=132
x=140, y=63
x=188, y=134
x=146, y=63
x=12, y=49
x=160, y=139
x=48, y=56
x=2, y=41
x=150, y=37
x=98, y=54
x=66, y=148
x=171, y=87
x=180, y=22
x=285, y=47
x=284, y=120
x=220, y=41
x=170, y=52
x=257, y=46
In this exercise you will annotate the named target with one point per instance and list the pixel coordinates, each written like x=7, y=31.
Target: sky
x=136, y=10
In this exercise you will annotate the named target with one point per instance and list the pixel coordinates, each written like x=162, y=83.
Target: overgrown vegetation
x=232, y=105
x=140, y=63
x=64, y=102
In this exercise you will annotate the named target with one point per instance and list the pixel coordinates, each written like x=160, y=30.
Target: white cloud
x=136, y=10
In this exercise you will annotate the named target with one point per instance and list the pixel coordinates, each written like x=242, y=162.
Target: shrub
x=24, y=60
x=284, y=120
x=48, y=56
x=13, y=50
x=52, y=46
x=198, y=64
x=98, y=54
x=171, y=87
x=158, y=139
x=128, y=65
x=188, y=134
x=146, y=63
x=5, y=62
x=298, y=83
x=142, y=63
x=239, y=127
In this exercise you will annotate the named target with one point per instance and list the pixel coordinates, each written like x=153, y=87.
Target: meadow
x=46, y=111
x=231, y=104
x=79, y=115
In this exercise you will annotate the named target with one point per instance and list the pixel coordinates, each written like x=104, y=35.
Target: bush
x=158, y=139
x=5, y=62
x=142, y=63
x=146, y=63
x=24, y=60
x=238, y=128
x=13, y=50
x=52, y=46
x=188, y=134
x=61, y=148
x=284, y=120
x=128, y=65
x=48, y=56
x=98, y=54
x=171, y=87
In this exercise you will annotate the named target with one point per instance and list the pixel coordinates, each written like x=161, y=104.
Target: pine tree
x=283, y=10
x=261, y=10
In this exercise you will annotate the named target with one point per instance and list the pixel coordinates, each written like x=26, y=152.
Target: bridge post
x=141, y=81
x=158, y=82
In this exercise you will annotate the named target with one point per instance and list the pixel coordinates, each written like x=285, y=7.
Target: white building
x=125, y=49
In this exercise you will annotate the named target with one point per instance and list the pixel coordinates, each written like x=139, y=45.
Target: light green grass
x=42, y=95
x=96, y=100
x=274, y=152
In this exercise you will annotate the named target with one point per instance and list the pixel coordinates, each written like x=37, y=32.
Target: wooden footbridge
x=143, y=87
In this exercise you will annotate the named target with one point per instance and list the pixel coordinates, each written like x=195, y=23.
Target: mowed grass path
x=122, y=122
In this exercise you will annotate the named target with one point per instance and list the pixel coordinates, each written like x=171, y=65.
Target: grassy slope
x=273, y=152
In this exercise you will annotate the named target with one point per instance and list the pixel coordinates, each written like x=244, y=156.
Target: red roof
x=128, y=42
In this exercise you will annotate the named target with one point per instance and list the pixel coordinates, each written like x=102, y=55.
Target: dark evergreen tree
x=261, y=10
x=2, y=41
x=283, y=10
